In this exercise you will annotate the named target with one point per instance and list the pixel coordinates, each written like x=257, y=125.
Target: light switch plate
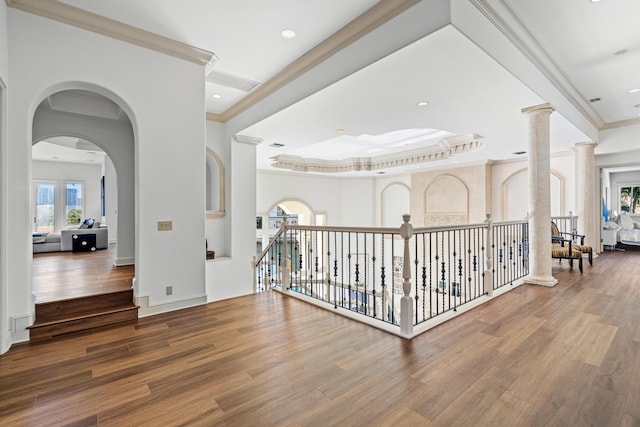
x=165, y=225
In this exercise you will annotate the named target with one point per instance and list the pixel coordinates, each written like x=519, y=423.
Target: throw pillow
x=626, y=223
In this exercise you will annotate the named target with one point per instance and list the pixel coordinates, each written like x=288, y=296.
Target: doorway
x=83, y=169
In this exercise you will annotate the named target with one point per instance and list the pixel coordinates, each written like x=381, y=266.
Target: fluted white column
x=586, y=185
x=539, y=196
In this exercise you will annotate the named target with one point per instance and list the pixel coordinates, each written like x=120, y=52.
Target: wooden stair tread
x=83, y=315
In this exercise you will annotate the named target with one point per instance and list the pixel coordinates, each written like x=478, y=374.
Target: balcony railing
x=365, y=273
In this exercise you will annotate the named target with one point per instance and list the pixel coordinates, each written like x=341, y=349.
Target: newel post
x=406, y=303
x=284, y=264
x=488, y=259
x=255, y=276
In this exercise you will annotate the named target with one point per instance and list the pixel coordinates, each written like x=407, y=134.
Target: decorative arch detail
x=387, y=209
x=215, y=185
x=446, y=202
x=504, y=191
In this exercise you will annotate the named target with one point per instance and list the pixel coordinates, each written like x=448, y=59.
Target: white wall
x=4, y=243
x=89, y=175
x=164, y=97
x=111, y=199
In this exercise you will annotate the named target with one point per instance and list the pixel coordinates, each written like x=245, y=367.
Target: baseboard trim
x=148, y=308
x=18, y=327
x=119, y=262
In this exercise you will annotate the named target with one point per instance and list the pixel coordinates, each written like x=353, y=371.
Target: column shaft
x=539, y=196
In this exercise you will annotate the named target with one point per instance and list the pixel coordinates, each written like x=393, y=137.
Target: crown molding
x=621, y=123
x=213, y=117
x=371, y=19
x=509, y=24
x=249, y=140
x=71, y=15
x=444, y=149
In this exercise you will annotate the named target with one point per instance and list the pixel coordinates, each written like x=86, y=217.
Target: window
x=53, y=212
x=45, y=218
x=73, y=202
x=630, y=199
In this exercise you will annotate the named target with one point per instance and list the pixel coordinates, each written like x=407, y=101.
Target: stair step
x=79, y=306
x=77, y=314
x=42, y=330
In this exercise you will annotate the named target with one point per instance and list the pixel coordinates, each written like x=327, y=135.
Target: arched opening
x=296, y=212
x=74, y=124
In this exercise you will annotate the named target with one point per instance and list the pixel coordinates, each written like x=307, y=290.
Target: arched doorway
x=90, y=117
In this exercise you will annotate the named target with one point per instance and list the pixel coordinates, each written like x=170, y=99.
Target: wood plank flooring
x=562, y=356
x=62, y=275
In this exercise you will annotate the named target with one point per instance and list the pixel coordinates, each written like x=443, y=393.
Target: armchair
x=556, y=237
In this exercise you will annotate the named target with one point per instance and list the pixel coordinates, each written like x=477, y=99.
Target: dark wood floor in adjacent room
x=562, y=356
x=62, y=275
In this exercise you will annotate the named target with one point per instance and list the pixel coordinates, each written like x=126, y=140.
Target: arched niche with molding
x=515, y=195
x=214, y=185
x=446, y=202
x=395, y=201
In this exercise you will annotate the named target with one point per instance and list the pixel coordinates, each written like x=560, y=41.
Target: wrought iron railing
x=366, y=271
x=510, y=252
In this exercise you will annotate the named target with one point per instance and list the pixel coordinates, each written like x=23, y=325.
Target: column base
x=549, y=281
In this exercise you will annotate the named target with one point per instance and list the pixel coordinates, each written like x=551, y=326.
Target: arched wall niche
x=446, y=202
x=395, y=201
x=514, y=201
x=97, y=115
x=215, y=185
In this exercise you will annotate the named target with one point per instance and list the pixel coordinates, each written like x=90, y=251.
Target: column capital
x=249, y=140
x=539, y=108
x=585, y=144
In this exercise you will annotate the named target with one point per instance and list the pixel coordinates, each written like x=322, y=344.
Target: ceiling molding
x=249, y=140
x=213, y=117
x=508, y=23
x=621, y=123
x=374, y=17
x=67, y=14
x=444, y=149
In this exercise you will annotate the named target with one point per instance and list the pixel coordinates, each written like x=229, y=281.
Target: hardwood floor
x=562, y=356
x=62, y=275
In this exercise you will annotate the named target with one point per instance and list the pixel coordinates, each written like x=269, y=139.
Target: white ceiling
x=467, y=90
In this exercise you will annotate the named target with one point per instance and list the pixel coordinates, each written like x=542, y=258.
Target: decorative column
x=587, y=187
x=406, y=302
x=539, y=196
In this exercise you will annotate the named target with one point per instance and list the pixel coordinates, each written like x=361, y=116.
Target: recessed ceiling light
x=621, y=52
x=423, y=104
x=594, y=1
x=216, y=96
x=277, y=145
x=380, y=173
x=288, y=33
x=634, y=90
x=340, y=130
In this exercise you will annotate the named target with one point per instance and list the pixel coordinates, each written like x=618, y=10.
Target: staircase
x=73, y=315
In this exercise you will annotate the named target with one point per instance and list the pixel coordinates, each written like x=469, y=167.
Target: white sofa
x=628, y=230
x=63, y=242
